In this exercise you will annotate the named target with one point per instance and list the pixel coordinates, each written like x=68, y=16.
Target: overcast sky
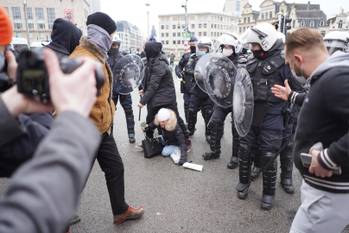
x=134, y=11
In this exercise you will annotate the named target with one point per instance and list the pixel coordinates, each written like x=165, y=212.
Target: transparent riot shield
x=219, y=80
x=130, y=73
x=243, y=102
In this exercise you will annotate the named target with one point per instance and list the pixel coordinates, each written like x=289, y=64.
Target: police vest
x=265, y=74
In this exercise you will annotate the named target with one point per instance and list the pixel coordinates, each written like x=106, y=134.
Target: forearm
x=44, y=193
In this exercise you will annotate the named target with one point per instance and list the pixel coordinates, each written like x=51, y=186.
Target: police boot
x=192, y=118
x=286, y=162
x=269, y=180
x=256, y=170
x=215, y=143
x=234, y=160
x=130, y=125
x=244, y=174
x=207, y=116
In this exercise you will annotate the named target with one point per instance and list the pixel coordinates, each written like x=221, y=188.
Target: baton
x=139, y=113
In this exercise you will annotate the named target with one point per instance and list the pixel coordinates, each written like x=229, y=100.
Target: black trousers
x=111, y=164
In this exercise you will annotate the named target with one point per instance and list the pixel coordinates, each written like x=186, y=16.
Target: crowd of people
x=299, y=97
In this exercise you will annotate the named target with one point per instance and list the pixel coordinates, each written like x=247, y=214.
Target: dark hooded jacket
x=65, y=37
x=158, y=83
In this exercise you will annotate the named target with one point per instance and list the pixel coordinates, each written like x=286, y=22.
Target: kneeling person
x=172, y=134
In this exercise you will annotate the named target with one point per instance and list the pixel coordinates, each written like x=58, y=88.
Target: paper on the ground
x=193, y=166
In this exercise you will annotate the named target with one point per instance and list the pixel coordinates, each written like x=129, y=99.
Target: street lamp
x=186, y=15
x=26, y=19
x=148, y=25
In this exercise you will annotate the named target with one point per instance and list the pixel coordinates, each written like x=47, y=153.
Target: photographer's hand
x=17, y=103
x=11, y=65
x=73, y=92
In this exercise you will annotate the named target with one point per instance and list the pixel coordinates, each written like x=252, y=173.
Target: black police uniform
x=199, y=100
x=125, y=99
x=216, y=126
x=268, y=122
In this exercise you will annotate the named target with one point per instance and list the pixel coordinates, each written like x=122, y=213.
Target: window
x=162, y=34
x=263, y=16
x=167, y=27
x=162, y=27
x=51, y=16
x=173, y=26
x=244, y=20
x=16, y=12
x=167, y=35
x=17, y=26
x=29, y=13
x=30, y=26
x=248, y=19
x=178, y=26
x=193, y=26
x=205, y=25
x=205, y=33
x=200, y=34
x=39, y=13
x=173, y=34
x=340, y=24
x=200, y=25
x=41, y=26
x=178, y=42
x=270, y=14
x=167, y=42
x=174, y=42
x=178, y=34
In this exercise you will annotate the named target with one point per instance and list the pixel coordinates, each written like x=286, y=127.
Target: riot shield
x=130, y=73
x=200, y=71
x=243, y=102
x=219, y=80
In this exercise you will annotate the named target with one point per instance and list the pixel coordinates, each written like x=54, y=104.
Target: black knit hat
x=102, y=20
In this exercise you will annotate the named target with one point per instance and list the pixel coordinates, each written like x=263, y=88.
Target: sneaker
x=130, y=214
x=139, y=147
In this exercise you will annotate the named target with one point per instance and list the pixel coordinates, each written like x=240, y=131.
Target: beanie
x=5, y=27
x=102, y=20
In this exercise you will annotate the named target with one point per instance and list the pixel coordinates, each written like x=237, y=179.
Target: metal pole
x=148, y=23
x=26, y=20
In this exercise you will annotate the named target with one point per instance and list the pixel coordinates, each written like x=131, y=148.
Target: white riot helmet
x=229, y=39
x=205, y=42
x=337, y=40
x=263, y=34
x=116, y=40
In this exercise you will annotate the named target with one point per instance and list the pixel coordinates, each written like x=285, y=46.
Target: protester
x=65, y=36
x=96, y=45
x=172, y=135
x=322, y=132
x=157, y=90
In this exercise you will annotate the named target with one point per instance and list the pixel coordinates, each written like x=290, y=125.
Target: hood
x=277, y=48
x=171, y=124
x=65, y=35
x=152, y=49
x=338, y=59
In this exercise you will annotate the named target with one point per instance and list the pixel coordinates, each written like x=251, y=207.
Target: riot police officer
x=266, y=69
x=185, y=72
x=231, y=48
x=337, y=41
x=199, y=100
x=125, y=98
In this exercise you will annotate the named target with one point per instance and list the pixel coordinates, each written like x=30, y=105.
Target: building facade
x=39, y=15
x=172, y=28
x=340, y=22
x=130, y=36
x=302, y=15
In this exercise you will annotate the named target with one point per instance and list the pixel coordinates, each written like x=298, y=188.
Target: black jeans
x=111, y=164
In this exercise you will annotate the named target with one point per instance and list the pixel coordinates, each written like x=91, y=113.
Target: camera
x=32, y=76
